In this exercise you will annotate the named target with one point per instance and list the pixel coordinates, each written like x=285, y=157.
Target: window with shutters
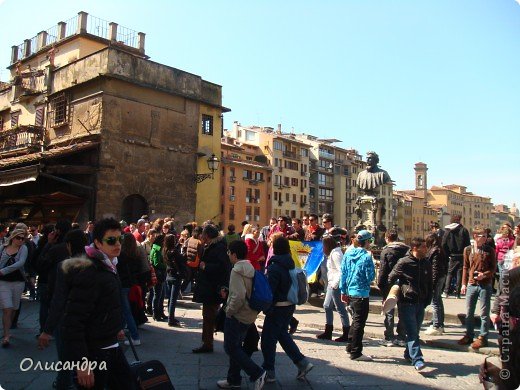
x=14, y=118
x=38, y=118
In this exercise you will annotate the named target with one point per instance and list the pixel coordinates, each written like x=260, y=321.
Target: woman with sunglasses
x=12, y=279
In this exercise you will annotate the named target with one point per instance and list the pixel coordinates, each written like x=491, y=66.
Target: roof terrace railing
x=79, y=24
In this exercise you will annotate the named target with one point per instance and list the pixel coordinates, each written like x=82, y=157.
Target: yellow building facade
x=245, y=184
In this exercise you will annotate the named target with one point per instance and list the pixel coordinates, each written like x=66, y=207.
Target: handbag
x=220, y=319
x=194, y=263
x=16, y=276
x=153, y=277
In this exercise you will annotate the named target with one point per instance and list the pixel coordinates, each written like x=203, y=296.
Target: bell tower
x=421, y=182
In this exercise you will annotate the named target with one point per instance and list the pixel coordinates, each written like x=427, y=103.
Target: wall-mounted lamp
x=213, y=163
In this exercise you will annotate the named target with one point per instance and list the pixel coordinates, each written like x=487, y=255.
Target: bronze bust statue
x=373, y=176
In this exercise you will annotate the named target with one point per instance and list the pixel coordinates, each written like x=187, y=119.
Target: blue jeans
x=276, y=329
x=474, y=294
x=389, y=322
x=174, y=287
x=127, y=314
x=437, y=304
x=333, y=301
x=412, y=316
x=234, y=335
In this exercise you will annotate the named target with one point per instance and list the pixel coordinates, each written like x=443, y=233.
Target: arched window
x=133, y=207
x=419, y=181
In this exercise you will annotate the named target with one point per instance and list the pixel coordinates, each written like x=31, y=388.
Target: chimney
x=42, y=40
x=279, y=129
x=82, y=22
x=26, y=48
x=14, y=54
x=112, y=31
x=62, y=30
x=140, y=41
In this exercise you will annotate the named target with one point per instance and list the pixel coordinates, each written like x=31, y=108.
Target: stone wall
x=148, y=148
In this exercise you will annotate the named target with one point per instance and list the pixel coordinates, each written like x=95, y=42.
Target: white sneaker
x=432, y=331
x=386, y=343
x=399, y=342
x=444, y=295
x=419, y=366
x=363, y=358
x=304, y=370
x=135, y=342
x=260, y=382
x=224, y=384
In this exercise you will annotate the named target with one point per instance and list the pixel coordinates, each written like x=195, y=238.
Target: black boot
x=327, y=335
x=344, y=337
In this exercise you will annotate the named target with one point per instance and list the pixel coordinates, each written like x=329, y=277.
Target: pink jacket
x=502, y=246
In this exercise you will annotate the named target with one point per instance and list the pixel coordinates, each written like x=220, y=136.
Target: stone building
x=245, y=185
x=332, y=181
x=90, y=128
x=289, y=159
x=439, y=204
x=501, y=214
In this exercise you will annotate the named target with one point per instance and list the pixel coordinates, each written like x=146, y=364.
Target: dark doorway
x=133, y=207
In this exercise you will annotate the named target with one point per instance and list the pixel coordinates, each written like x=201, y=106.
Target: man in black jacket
x=214, y=271
x=92, y=321
x=414, y=273
x=391, y=253
x=455, y=239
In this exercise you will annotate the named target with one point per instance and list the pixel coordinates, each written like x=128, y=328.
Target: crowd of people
x=92, y=284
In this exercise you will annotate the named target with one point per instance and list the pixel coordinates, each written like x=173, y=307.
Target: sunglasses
x=19, y=238
x=113, y=240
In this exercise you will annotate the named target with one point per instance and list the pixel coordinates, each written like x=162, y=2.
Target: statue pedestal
x=370, y=210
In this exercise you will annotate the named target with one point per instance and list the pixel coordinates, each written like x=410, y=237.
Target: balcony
x=232, y=197
x=326, y=154
x=23, y=138
x=232, y=179
x=304, y=174
x=292, y=155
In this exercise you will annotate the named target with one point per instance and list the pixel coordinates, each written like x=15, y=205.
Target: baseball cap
x=364, y=235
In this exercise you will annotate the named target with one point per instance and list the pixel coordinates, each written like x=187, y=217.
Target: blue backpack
x=299, y=290
x=261, y=298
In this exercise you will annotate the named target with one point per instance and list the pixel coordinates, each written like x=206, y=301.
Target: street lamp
x=213, y=163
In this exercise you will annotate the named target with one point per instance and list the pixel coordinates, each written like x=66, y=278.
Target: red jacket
x=255, y=251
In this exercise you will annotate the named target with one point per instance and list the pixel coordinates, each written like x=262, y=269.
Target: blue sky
x=431, y=81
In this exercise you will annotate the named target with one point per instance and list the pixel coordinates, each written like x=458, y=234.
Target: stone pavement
x=333, y=369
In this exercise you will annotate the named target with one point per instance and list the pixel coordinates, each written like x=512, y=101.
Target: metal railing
x=291, y=155
x=21, y=137
x=95, y=26
x=98, y=27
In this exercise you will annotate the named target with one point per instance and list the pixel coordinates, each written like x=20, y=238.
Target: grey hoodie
x=240, y=285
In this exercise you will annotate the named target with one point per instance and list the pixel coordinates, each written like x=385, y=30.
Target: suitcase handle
x=132, y=346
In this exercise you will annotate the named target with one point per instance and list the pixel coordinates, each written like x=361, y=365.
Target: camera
x=475, y=274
